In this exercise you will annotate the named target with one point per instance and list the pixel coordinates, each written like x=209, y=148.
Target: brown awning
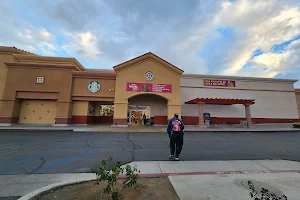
x=220, y=101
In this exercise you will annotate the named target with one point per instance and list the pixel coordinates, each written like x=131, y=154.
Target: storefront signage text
x=222, y=83
x=148, y=87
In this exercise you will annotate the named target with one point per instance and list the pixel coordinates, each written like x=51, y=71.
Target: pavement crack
x=38, y=167
x=133, y=144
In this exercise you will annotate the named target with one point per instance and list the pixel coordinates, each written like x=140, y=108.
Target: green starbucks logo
x=94, y=86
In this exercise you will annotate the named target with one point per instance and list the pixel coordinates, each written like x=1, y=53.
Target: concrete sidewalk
x=152, y=129
x=191, y=179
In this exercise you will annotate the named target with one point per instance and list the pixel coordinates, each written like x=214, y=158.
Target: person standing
x=175, y=131
x=144, y=119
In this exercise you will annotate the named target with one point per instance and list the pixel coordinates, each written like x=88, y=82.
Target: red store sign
x=222, y=83
x=148, y=87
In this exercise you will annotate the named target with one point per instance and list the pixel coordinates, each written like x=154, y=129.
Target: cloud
x=258, y=25
x=83, y=44
x=126, y=29
x=15, y=31
x=208, y=37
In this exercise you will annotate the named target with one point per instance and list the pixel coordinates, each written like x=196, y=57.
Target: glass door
x=136, y=117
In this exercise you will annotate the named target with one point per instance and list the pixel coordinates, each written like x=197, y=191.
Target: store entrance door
x=135, y=116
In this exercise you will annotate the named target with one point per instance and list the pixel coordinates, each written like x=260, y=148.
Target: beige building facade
x=52, y=90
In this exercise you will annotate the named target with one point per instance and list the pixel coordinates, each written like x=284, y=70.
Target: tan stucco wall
x=3, y=72
x=80, y=108
x=135, y=73
x=23, y=79
x=38, y=112
x=272, y=99
x=80, y=87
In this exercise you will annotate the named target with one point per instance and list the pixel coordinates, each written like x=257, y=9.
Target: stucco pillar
x=248, y=115
x=10, y=111
x=80, y=112
x=201, y=117
x=172, y=109
x=63, y=113
x=120, y=114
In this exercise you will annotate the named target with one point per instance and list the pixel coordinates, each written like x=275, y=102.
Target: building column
x=10, y=111
x=172, y=109
x=248, y=115
x=120, y=114
x=80, y=112
x=63, y=114
x=201, y=117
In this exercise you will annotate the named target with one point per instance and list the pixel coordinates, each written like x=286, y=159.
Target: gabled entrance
x=146, y=74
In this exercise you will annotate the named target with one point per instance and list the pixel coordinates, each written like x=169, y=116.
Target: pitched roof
x=16, y=50
x=146, y=56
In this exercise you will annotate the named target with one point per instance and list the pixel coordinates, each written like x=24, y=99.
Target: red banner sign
x=222, y=83
x=148, y=87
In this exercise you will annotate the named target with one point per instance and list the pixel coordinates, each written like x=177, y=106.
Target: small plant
x=296, y=125
x=110, y=177
x=264, y=194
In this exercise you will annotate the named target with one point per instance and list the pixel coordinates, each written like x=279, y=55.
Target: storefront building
x=52, y=90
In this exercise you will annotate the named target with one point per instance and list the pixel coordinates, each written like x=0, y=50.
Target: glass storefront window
x=106, y=110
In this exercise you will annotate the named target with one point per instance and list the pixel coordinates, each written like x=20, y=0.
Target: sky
x=256, y=38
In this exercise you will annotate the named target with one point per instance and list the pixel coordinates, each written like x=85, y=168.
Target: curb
x=43, y=130
x=267, y=130
x=143, y=131
x=45, y=189
x=40, y=191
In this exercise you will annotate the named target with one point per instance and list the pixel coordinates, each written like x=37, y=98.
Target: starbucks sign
x=94, y=86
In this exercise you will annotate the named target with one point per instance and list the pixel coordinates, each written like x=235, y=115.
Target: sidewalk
x=213, y=180
x=152, y=129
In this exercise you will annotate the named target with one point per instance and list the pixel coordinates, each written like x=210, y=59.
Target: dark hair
x=176, y=115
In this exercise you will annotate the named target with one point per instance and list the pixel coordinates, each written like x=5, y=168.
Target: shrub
x=296, y=125
x=111, y=176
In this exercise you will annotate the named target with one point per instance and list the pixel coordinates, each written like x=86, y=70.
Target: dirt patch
x=146, y=189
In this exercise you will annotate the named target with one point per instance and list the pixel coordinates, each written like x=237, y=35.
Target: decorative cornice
x=94, y=74
x=49, y=60
x=218, y=77
x=41, y=65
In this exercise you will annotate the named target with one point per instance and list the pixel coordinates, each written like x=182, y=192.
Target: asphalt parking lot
x=69, y=152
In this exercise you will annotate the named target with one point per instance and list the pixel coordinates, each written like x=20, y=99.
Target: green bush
x=296, y=125
x=110, y=177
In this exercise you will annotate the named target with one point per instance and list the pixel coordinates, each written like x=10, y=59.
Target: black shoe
x=176, y=159
x=171, y=157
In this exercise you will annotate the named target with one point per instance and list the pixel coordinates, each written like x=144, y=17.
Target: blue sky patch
x=280, y=48
x=257, y=52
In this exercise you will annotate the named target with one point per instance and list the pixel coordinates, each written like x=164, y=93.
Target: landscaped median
x=114, y=183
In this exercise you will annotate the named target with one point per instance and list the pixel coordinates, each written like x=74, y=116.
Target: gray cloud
x=114, y=31
x=125, y=29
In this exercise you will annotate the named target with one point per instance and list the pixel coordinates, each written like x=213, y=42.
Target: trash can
x=207, y=123
x=244, y=124
x=207, y=119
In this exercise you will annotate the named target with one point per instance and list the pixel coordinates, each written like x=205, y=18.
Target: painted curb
x=35, y=193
